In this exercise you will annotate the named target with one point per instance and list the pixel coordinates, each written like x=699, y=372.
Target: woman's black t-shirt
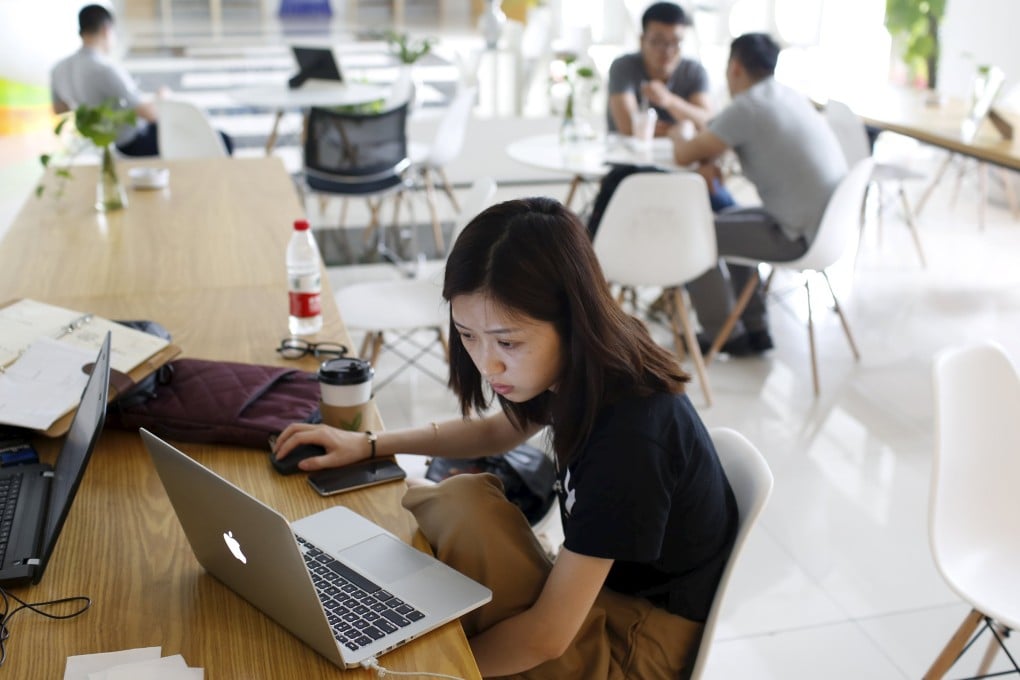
x=648, y=491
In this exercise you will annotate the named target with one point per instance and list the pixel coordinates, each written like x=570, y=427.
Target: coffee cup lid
x=345, y=371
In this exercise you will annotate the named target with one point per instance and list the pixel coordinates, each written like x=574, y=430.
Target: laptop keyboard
x=359, y=611
x=9, y=489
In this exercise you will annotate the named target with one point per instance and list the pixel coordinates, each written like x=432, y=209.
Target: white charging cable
x=381, y=672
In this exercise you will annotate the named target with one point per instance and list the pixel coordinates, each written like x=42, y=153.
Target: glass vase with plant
x=574, y=84
x=99, y=125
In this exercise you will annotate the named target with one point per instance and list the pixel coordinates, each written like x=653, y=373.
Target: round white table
x=590, y=160
x=312, y=93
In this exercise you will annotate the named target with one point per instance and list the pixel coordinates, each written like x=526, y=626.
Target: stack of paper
x=130, y=664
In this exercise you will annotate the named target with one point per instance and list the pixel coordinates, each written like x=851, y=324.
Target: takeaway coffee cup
x=346, y=385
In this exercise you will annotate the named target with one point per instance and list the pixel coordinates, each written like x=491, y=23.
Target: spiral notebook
x=43, y=348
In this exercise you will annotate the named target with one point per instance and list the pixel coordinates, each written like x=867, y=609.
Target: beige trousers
x=473, y=528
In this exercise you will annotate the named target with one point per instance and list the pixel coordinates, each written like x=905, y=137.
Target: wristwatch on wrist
x=372, y=439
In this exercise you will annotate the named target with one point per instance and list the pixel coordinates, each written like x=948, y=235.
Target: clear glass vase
x=110, y=194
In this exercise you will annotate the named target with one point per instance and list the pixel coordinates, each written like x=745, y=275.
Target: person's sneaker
x=760, y=341
x=739, y=346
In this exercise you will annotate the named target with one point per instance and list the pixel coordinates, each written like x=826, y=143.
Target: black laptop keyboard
x=359, y=611
x=9, y=489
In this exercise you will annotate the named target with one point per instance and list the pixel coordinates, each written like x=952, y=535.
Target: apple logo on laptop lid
x=235, y=547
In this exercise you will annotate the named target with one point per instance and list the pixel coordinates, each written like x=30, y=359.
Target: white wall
x=978, y=32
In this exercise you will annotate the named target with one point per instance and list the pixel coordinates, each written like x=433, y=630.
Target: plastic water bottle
x=304, y=281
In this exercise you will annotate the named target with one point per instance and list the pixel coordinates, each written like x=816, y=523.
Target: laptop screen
x=315, y=62
x=81, y=439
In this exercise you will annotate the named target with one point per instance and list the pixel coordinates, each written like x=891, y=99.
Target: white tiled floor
x=837, y=581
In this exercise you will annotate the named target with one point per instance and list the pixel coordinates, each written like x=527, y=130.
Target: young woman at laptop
x=648, y=515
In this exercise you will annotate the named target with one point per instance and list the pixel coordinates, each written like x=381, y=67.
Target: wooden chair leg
x=931, y=186
x=956, y=187
x=912, y=226
x=444, y=342
x=992, y=649
x=1007, y=186
x=842, y=318
x=983, y=194
x=724, y=333
x=680, y=313
x=343, y=212
x=377, y=343
x=954, y=647
x=448, y=188
x=811, y=338
x=862, y=220
x=430, y=198
x=366, y=343
x=574, y=183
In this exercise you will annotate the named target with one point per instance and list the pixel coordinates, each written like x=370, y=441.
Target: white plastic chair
x=835, y=233
x=853, y=138
x=445, y=146
x=974, y=501
x=751, y=480
x=401, y=91
x=184, y=131
x=658, y=230
x=408, y=305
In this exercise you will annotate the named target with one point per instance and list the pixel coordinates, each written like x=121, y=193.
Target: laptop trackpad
x=385, y=559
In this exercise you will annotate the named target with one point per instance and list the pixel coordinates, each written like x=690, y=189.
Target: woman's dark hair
x=533, y=257
x=668, y=13
x=758, y=53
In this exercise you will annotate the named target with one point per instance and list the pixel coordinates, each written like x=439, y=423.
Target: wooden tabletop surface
x=206, y=259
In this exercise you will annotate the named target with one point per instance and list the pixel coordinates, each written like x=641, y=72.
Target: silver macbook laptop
x=339, y=582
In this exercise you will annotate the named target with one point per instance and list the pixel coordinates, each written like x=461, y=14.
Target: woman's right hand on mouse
x=342, y=447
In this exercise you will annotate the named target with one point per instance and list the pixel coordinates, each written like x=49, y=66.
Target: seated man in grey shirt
x=676, y=87
x=91, y=78
x=792, y=157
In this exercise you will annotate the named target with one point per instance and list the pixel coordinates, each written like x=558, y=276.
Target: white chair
x=835, y=233
x=658, y=230
x=853, y=138
x=445, y=146
x=974, y=501
x=184, y=131
x=401, y=91
x=405, y=306
x=751, y=481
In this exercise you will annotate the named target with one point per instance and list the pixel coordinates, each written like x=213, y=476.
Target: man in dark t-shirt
x=657, y=76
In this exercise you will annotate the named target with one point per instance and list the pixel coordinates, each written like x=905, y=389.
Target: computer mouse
x=289, y=465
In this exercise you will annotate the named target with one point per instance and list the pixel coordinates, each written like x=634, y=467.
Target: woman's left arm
x=544, y=631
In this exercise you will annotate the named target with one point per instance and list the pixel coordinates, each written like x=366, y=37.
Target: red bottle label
x=304, y=305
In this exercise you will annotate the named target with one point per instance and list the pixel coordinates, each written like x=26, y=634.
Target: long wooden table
x=205, y=258
x=909, y=112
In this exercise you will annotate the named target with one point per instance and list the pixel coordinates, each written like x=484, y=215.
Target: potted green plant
x=99, y=125
x=915, y=24
x=407, y=49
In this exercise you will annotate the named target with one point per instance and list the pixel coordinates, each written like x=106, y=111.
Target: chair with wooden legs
x=658, y=231
x=427, y=162
x=853, y=138
x=974, y=500
x=835, y=233
x=392, y=313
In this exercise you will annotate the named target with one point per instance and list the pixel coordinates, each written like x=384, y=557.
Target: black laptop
x=35, y=499
x=314, y=62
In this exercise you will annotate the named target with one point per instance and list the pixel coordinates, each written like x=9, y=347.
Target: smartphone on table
x=356, y=476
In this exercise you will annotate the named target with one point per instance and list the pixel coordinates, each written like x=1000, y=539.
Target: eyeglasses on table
x=295, y=348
